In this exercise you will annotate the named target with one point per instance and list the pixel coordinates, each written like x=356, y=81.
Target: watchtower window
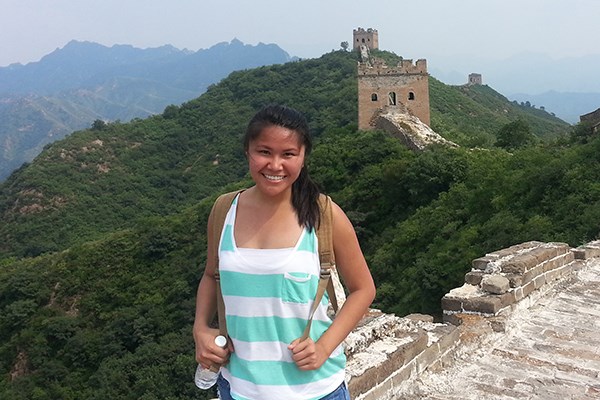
x=392, y=98
x=374, y=97
x=411, y=95
x=363, y=40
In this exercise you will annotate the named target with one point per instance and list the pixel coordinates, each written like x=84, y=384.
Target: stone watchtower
x=367, y=38
x=402, y=87
x=475, y=79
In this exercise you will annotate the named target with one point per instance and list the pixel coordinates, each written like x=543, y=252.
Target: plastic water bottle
x=206, y=378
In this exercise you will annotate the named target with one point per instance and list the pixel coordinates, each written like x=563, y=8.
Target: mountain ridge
x=98, y=81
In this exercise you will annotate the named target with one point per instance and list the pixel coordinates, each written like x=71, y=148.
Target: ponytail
x=305, y=200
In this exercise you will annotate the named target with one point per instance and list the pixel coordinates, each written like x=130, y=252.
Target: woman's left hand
x=307, y=354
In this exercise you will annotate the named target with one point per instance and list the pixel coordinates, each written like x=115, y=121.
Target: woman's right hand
x=208, y=354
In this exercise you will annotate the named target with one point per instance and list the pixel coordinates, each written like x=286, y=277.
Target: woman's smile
x=275, y=178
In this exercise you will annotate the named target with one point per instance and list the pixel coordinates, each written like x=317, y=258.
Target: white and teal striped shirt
x=268, y=294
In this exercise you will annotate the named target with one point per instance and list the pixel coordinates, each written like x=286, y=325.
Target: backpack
x=326, y=256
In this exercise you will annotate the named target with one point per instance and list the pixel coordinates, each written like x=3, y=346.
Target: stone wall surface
x=409, y=129
x=525, y=325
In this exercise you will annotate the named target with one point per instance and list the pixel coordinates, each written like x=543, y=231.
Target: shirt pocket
x=296, y=287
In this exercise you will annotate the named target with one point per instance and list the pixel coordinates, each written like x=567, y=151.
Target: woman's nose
x=276, y=162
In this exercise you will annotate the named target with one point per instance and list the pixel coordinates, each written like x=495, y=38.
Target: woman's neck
x=283, y=198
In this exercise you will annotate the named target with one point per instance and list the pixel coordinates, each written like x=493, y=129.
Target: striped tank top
x=268, y=294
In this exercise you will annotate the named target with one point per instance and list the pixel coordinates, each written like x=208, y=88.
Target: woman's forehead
x=278, y=135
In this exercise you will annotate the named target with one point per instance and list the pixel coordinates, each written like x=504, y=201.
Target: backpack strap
x=326, y=259
x=326, y=254
x=219, y=213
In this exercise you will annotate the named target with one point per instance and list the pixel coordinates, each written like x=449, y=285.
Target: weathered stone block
x=482, y=262
x=580, y=253
x=518, y=292
x=515, y=280
x=528, y=288
x=485, y=304
x=531, y=274
x=452, y=303
x=519, y=264
x=508, y=298
x=474, y=277
x=543, y=254
x=559, y=261
x=495, y=284
x=539, y=281
x=551, y=264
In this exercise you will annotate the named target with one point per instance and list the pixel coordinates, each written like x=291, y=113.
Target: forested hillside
x=103, y=234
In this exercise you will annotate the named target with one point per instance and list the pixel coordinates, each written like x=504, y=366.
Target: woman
x=268, y=264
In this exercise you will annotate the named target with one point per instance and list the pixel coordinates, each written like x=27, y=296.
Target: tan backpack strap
x=219, y=213
x=326, y=259
x=326, y=254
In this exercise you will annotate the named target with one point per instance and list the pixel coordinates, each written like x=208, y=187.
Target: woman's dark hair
x=305, y=192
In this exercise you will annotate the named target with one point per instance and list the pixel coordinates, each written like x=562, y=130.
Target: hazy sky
x=29, y=29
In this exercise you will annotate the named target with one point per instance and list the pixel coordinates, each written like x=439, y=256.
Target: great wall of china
x=526, y=324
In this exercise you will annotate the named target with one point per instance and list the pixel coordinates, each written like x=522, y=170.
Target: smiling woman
x=269, y=268
x=275, y=159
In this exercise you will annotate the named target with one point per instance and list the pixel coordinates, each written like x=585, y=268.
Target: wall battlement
x=387, y=355
x=378, y=67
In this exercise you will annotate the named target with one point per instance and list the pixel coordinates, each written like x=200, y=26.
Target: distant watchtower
x=367, y=38
x=475, y=79
x=403, y=88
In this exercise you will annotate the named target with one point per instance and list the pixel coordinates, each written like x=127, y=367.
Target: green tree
x=514, y=135
x=98, y=125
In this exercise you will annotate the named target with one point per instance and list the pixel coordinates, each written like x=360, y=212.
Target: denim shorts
x=223, y=388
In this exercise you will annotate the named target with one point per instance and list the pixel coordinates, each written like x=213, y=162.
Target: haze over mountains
x=71, y=87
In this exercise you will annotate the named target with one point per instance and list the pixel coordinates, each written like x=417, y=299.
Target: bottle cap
x=221, y=341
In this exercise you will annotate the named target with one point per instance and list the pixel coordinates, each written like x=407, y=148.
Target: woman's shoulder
x=330, y=209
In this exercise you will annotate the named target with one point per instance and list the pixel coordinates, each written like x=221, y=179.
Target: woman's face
x=275, y=159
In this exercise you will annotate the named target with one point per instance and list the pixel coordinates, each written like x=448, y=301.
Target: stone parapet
x=500, y=280
x=387, y=350
x=387, y=354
